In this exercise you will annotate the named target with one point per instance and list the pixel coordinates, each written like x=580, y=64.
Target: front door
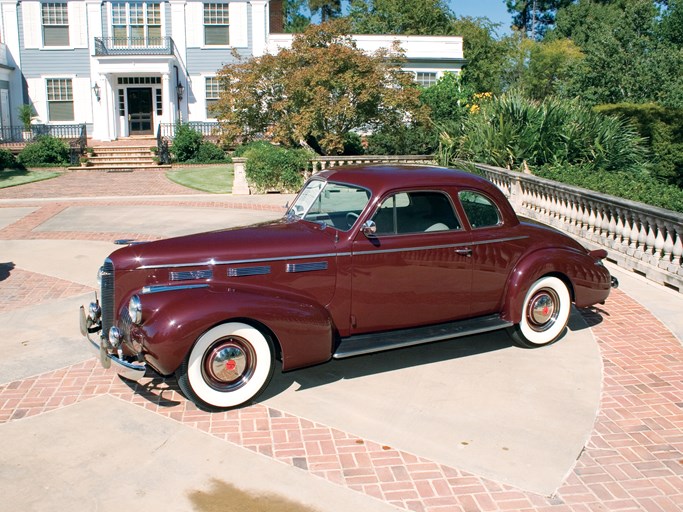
x=140, y=111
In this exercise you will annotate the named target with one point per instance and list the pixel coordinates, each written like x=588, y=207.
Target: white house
x=123, y=68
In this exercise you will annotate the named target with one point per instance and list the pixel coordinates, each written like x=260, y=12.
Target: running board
x=380, y=341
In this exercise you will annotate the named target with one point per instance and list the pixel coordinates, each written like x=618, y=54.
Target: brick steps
x=123, y=158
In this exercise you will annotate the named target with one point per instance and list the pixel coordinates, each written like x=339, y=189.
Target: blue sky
x=494, y=10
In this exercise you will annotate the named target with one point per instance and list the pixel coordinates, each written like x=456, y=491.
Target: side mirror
x=369, y=228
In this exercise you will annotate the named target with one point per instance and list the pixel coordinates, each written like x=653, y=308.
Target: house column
x=259, y=26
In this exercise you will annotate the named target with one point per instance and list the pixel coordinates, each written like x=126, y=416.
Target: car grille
x=107, y=296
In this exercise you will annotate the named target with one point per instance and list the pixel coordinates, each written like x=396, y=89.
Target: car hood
x=271, y=240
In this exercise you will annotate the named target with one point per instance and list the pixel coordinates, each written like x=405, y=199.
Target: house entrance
x=140, y=110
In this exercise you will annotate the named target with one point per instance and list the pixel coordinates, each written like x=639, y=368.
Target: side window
x=480, y=210
x=415, y=212
x=55, y=24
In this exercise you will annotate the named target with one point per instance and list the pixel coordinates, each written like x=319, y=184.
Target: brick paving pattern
x=633, y=460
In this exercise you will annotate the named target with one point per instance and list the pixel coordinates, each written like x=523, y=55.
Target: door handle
x=129, y=117
x=465, y=251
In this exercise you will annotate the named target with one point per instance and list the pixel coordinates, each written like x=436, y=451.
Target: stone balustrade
x=644, y=239
x=638, y=237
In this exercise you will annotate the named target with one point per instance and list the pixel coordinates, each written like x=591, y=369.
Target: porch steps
x=123, y=158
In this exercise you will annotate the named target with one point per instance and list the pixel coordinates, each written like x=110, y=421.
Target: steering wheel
x=351, y=218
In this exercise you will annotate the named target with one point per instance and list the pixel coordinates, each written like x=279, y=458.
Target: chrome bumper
x=125, y=369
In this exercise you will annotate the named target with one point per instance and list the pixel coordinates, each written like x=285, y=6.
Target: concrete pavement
x=474, y=424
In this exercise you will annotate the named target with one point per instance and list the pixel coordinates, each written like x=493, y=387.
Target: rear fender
x=588, y=282
x=173, y=320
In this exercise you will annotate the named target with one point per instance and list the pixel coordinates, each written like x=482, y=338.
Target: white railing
x=321, y=163
x=641, y=238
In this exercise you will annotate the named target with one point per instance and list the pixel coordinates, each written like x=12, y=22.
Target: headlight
x=99, y=277
x=115, y=337
x=135, y=309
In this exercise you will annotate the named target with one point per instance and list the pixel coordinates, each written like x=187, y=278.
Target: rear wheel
x=545, y=314
x=228, y=366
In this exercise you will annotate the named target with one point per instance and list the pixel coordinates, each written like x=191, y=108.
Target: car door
x=416, y=269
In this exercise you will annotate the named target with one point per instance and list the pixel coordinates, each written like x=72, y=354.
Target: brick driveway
x=633, y=461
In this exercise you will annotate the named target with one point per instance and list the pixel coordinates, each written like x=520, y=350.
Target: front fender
x=173, y=320
x=587, y=280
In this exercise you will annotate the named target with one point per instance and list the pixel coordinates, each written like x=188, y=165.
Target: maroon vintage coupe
x=366, y=259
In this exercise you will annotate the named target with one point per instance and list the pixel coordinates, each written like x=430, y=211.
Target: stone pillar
x=239, y=180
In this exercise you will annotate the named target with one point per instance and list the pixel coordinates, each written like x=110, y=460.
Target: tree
x=294, y=18
x=534, y=17
x=549, y=67
x=328, y=9
x=487, y=56
x=316, y=92
x=426, y=17
x=627, y=59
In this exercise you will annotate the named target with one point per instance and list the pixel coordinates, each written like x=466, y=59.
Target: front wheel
x=228, y=366
x=545, y=314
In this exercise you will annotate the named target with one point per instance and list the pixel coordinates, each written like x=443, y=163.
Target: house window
x=213, y=91
x=60, y=99
x=425, y=79
x=55, y=25
x=136, y=24
x=216, y=25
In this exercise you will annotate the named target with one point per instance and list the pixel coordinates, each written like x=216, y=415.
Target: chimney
x=277, y=17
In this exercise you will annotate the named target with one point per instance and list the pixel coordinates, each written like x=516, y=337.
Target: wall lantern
x=180, y=90
x=96, y=90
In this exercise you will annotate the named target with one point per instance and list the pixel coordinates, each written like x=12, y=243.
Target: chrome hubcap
x=229, y=364
x=543, y=309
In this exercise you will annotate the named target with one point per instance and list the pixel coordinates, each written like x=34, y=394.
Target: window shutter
x=239, y=35
x=194, y=24
x=78, y=30
x=32, y=24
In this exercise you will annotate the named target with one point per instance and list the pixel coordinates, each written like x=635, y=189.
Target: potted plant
x=85, y=161
x=26, y=115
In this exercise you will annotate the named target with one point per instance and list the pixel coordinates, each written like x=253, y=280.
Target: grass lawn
x=14, y=177
x=216, y=179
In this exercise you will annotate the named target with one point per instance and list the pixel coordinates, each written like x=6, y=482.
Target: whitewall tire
x=228, y=366
x=545, y=313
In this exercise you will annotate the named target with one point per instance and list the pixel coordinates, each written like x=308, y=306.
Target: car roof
x=379, y=178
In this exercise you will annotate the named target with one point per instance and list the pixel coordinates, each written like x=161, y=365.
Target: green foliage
x=46, y=150
x=641, y=188
x=551, y=65
x=26, y=115
x=408, y=139
x=662, y=130
x=426, y=17
x=447, y=99
x=209, y=152
x=511, y=130
x=353, y=144
x=7, y=159
x=186, y=142
x=535, y=17
x=271, y=167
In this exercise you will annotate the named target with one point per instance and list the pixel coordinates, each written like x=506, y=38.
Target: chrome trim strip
x=434, y=247
x=249, y=271
x=190, y=275
x=326, y=255
x=158, y=288
x=306, y=267
x=240, y=262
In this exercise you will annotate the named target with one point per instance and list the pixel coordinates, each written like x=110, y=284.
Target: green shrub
x=271, y=167
x=353, y=144
x=509, y=130
x=403, y=140
x=186, y=143
x=642, y=188
x=209, y=152
x=7, y=159
x=45, y=151
x=662, y=129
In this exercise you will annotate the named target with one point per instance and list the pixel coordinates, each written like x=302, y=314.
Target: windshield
x=332, y=204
